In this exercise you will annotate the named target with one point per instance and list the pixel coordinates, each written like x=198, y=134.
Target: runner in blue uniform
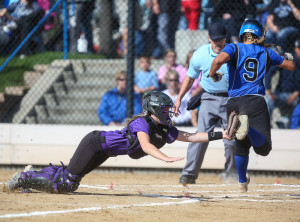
x=247, y=64
x=144, y=135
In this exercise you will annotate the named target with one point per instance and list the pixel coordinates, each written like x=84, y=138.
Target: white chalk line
x=188, y=200
x=106, y=186
x=194, y=185
x=117, y=187
x=44, y=213
x=253, y=200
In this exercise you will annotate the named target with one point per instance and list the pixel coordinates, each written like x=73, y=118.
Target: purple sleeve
x=229, y=49
x=173, y=134
x=139, y=125
x=275, y=58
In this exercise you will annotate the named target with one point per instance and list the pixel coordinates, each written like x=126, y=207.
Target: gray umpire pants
x=212, y=109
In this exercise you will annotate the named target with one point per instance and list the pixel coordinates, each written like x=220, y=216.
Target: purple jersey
x=117, y=143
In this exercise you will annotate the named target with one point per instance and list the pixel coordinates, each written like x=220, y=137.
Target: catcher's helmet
x=252, y=26
x=160, y=105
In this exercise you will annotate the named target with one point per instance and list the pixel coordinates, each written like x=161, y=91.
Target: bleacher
x=69, y=92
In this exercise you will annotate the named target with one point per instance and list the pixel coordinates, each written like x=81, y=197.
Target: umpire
x=213, y=100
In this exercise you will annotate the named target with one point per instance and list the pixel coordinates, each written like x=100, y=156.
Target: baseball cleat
x=244, y=186
x=243, y=128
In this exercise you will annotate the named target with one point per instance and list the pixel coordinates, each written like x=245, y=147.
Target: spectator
x=46, y=6
x=145, y=79
x=172, y=79
x=170, y=64
x=81, y=23
x=112, y=110
x=168, y=15
x=232, y=14
x=283, y=22
x=287, y=91
x=122, y=11
x=295, y=120
x=20, y=18
x=207, y=7
x=262, y=11
x=191, y=10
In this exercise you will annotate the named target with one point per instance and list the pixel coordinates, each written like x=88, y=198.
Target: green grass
x=12, y=74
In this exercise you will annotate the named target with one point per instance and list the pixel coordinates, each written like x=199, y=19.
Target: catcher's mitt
x=232, y=125
x=217, y=76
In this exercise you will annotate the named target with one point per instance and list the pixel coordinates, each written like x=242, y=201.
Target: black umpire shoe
x=187, y=179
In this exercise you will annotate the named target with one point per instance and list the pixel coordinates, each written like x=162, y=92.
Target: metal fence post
x=65, y=29
x=130, y=59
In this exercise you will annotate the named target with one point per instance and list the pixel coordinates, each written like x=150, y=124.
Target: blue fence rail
x=41, y=22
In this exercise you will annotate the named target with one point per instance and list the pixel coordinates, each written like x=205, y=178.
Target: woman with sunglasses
x=172, y=80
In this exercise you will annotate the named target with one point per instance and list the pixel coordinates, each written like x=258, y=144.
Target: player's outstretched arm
x=201, y=136
x=151, y=150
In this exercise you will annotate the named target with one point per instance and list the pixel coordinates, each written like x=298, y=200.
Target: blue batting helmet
x=252, y=26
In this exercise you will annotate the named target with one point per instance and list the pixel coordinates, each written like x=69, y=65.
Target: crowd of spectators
x=155, y=26
x=156, y=22
x=112, y=108
x=286, y=93
x=165, y=17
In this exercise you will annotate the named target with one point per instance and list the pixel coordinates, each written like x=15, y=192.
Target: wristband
x=215, y=136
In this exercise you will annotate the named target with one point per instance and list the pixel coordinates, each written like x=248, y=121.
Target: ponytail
x=255, y=40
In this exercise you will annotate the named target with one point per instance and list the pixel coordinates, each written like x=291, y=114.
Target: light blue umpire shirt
x=200, y=64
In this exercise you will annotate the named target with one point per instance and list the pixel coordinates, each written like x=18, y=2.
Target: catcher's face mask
x=167, y=114
x=160, y=105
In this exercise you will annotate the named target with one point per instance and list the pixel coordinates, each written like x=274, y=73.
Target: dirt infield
x=156, y=196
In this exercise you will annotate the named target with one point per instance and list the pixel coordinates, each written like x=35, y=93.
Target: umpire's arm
x=186, y=85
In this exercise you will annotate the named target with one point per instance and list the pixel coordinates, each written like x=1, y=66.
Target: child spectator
x=145, y=79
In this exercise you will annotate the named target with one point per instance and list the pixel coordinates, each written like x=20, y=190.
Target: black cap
x=217, y=31
x=297, y=43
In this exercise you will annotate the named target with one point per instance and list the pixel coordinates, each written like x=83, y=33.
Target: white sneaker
x=244, y=186
x=242, y=131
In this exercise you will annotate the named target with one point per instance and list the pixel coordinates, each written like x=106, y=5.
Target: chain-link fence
x=76, y=74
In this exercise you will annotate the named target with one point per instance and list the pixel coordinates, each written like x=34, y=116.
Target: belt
x=224, y=94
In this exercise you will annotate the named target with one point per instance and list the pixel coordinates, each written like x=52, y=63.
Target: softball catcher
x=143, y=135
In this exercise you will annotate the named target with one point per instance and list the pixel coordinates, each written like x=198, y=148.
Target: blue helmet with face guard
x=252, y=26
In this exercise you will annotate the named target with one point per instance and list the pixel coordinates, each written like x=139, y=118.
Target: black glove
x=217, y=76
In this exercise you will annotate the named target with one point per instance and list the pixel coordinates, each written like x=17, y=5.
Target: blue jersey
x=247, y=67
